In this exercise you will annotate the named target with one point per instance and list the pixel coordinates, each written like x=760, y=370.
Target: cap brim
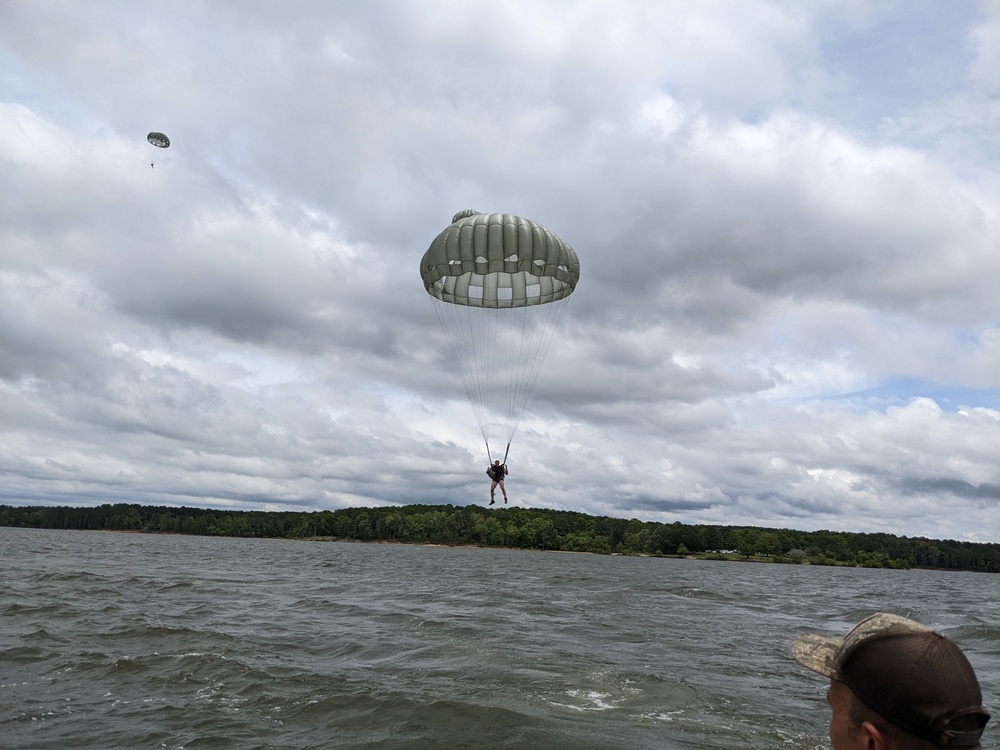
x=818, y=653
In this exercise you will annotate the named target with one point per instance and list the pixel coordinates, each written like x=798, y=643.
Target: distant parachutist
x=159, y=140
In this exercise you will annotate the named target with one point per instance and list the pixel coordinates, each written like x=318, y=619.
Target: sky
x=787, y=217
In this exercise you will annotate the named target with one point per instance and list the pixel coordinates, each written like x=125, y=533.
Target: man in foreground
x=896, y=685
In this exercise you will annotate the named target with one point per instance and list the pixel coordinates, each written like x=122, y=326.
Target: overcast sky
x=787, y=217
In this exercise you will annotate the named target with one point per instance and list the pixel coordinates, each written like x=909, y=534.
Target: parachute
x=499, y=284
x=159, y=140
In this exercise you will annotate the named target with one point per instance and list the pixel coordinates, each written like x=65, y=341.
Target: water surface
x=151, y=641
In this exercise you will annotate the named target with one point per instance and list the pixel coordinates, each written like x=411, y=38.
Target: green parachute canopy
x=499, y=284
x=498, y=261
x=158, y=139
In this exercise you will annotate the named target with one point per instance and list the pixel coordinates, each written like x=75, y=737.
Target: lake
x=112, y=640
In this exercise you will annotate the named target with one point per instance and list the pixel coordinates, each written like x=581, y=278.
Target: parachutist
x=160, y=141
x=497, y=472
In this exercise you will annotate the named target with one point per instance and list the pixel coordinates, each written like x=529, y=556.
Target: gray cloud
x=786, y=218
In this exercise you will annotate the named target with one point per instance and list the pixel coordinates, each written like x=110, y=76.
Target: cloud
x=786, y=218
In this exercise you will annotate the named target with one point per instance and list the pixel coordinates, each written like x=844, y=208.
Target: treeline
x=523, y=528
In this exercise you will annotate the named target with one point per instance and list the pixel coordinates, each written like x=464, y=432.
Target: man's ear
x=872, y=737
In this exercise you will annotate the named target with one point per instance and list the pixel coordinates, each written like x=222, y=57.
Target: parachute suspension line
x=498, y=355
x=471, y=338
x=483, y=358
x=529, y=345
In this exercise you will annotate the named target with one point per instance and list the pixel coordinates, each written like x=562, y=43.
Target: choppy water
x=137, y=641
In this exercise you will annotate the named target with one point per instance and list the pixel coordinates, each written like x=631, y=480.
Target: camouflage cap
x=825, y=654
x=905, y=672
